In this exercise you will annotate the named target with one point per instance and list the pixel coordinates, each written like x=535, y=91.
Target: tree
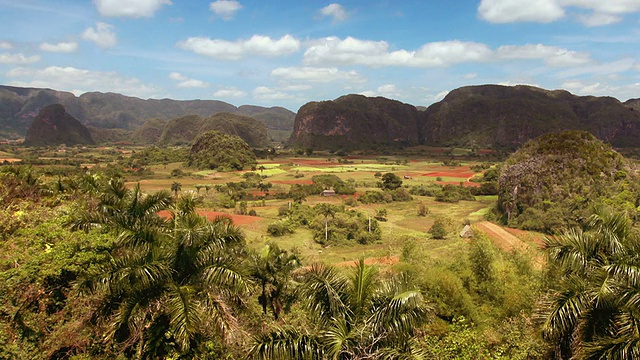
x=326, y=210
x=438, y=230
x=390, y=181
x=593, y=307
x=175, y=187
x=170, y=284
x=356, y=317
x=272, y=268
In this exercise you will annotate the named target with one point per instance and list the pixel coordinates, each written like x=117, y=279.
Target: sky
x=288, y=53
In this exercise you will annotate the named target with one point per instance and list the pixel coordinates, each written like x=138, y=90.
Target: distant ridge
x=19, y=106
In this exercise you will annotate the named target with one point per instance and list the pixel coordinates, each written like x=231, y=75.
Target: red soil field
x=237, y=219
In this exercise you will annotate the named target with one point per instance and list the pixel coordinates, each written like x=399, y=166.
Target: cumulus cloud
x=18, y=59
x=351, y=51
x=506, y=11
x=185, y=82
x=545, y=11
x=63, y=47
x=226, y=9
x=5, y=45
x=234, y=50
x=597, y=88
x=316, y=74
x=79, y=81
x=335, y=11
x=602, y=69
x=386, y=90
x=129, y=8
x=230, y=92
x=102, y=35
x=598, y=19
x=551, y=55
x=266, y=93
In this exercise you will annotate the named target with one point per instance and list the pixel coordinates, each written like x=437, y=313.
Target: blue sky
x=287, y=53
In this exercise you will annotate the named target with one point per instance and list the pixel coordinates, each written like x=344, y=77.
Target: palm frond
x=287, y=344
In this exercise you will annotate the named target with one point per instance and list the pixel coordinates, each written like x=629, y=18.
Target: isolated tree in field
x=355, y=317
x=438, y=229
x=175, y=187
x=593, y=309
x=390, y=181
x=326, y=210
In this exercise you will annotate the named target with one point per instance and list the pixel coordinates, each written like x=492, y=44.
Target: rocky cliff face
x=505, y=116
x=54, y=126
x=486, y=116
x=356, y=121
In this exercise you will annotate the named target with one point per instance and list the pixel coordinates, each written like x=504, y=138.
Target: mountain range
x=482, y=116
x=108, y=114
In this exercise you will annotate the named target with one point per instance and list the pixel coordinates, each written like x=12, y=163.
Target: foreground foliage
x=593, y=308
x=360, y=316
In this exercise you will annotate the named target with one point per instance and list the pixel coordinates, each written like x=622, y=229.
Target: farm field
x=402, y=225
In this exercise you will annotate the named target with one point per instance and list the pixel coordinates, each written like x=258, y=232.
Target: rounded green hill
x=213, y=150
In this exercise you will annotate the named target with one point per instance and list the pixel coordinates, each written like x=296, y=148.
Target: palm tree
x=357, y=317
x=593, y=311
x=272, y=269
x=170, y=283
x=326, y=210
x=175, y=187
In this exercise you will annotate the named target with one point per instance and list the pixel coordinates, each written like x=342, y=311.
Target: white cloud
x=185, y=82
x=129, y=8
x=102, y=35
x=387, y=90
x=545, y=11
x=316, y=74
x=226, y=9
x=63, y=47
x=79, y=81
x=470, y=76
x=266, y=93
x=596, y=88
x=336, y=11
x=351, y=51
x=5, y=45
x=602, y=69
x=18, y=59
x=506, y=11
x=598, y=19
x=234, y=50
x=230, y=92
x=551, y=55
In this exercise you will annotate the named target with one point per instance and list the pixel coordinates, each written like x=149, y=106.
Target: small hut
x=329, y=193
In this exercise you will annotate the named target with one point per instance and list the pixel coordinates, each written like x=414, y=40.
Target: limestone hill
x=54, y=126
x=356, y=121
x=486, y=116
x=185, y=129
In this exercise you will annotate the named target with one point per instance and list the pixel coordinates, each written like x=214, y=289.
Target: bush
x=438, y=230
x=280, y=228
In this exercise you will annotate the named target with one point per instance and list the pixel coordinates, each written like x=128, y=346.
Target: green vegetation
x=108, y=262
x=553, y=182
x=213, y=150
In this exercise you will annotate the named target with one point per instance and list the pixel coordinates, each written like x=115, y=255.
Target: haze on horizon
x=283, y=53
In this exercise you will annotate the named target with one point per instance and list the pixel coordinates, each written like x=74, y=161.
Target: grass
x=403, y=225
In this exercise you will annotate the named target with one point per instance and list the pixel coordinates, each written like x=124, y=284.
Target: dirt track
x=500, y=237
